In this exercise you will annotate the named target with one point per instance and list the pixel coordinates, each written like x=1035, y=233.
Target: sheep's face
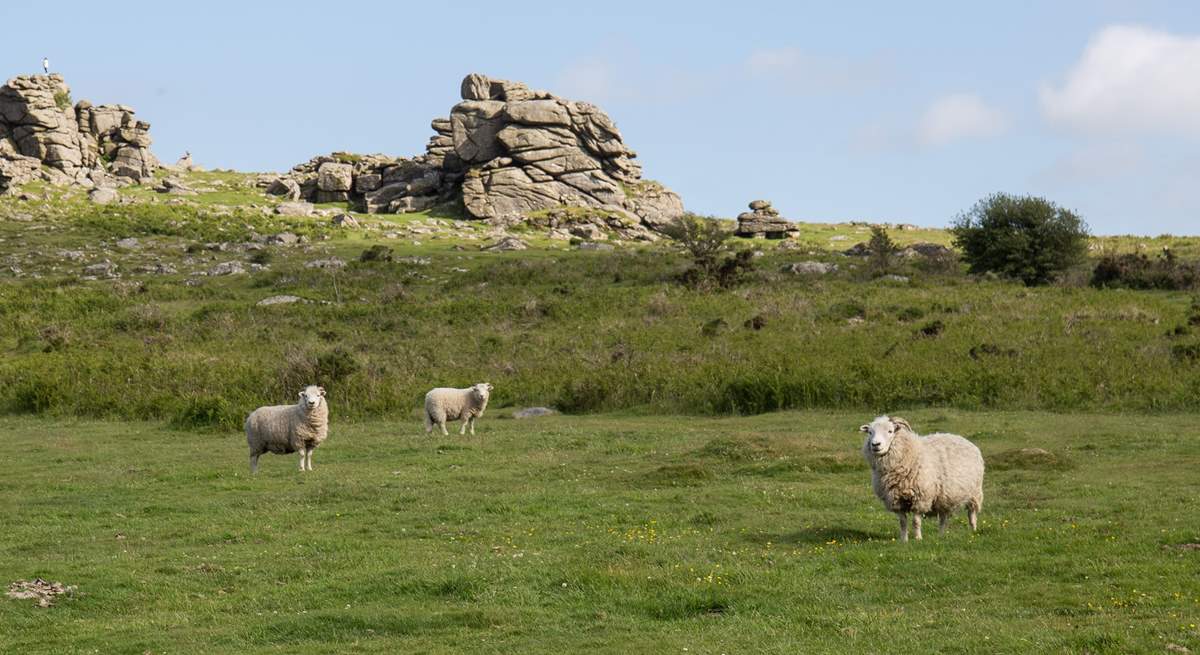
x=483, y=390
x=311, y=397
x=880, y=434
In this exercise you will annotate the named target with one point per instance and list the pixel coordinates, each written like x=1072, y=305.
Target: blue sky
x=869, y=111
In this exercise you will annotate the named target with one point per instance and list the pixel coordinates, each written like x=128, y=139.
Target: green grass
x=608, y=533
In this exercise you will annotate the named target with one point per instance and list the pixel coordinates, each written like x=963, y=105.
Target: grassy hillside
x=603, y=534
x=582, y=331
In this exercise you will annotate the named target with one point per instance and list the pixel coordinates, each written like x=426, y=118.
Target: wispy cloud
x=1130, y=79
x=797, y=71
x=956, y=117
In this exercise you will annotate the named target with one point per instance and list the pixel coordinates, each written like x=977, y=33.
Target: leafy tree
x=1025, y=237
x=883, y=251
x=707, y=241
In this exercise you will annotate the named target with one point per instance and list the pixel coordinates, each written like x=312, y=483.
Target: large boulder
x=506, y=151
x=77, y=144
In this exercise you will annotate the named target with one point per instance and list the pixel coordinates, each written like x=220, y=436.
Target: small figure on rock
x=46, y=65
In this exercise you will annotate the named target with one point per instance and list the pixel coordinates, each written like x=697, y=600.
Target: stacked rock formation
x=764, y=221
x=505, y=151
x=43, y=136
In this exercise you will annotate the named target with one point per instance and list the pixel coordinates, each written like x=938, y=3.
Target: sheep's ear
x=300, y=395
x=864, y=428
x=322, y=390
x=901, y=423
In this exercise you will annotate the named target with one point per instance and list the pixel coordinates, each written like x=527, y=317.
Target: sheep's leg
x=943, y=518
x=903, y=526
x=302, y=453
x=472, y=422
x=442, y=425
x=972, y=515
x=253, y=463
x=308, y=458
x=917, y=526
x=466, y=419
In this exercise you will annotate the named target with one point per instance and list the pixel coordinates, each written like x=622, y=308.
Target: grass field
x=601, y=533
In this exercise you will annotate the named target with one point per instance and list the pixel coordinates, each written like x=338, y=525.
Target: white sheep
x=934, y=474
x=284, y=429
x=444, y=404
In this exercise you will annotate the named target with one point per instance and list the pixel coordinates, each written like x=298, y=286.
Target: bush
x=1026, y=238
x=206, y=413
x=882, y=257
x=707, y=241
x=1136, y=271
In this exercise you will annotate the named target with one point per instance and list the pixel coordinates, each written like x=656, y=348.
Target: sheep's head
x=881, y=432
x=482, y=391
x=311, y=396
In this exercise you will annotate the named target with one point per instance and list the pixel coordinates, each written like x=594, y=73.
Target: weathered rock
x=345, y=220
x=286, y=187
x=283, y=239
x=810, y=268
x=228, y=268
x=75, y=142
x=105, y=269
x=103, y=195
x=506, y=151
x=332, y=176
x=279, y=300
x=294, y=209
x=592, y=245
x=129, y=243
x=331, y=263
x=764, y=221
x=506, y=244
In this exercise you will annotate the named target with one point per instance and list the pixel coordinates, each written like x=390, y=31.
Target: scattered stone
x=228, y=268
x=588, y=231
x=789, y=244
x=128, y=244
x=810, y=268
x=298, y=208
x=72, y=255
x=592, y=245
x=39, y=590
x=331, y=263
x=175, y=187
x=104, y=269
x=764, y=221
x=103, y=195
x=533, y=412
x=506, y=244
x=901, y=279
x=283, y=239
x=157, y=269
x=279, y=300
x=286, y=187
x=345, y=220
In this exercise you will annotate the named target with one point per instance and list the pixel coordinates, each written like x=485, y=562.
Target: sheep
x=444, y=404
x=934, y=474
x=284, y=429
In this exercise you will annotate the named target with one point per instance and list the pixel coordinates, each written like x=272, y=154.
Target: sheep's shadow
x=818, y=535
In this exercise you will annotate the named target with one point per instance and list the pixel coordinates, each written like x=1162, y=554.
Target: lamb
x=934, y=474
x=284, y=429
x=444, y=404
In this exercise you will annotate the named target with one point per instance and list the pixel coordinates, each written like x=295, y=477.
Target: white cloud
x=1130, y=79
x=959, y=116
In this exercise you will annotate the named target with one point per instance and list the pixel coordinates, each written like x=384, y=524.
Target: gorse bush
x=1026, y=238
x=713, y=263
x=1137, y=271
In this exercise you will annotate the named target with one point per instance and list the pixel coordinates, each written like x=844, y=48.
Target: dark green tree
x=1023, y=237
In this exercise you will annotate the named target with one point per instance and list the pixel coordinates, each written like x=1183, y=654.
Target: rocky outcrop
x=505, y=151
x=43, y=135
x=764, y=221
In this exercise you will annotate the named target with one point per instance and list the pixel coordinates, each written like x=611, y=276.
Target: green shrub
x=706, y=240
x=206, y=412
x=1026, y=238
x=1137, y=271
x=882, y=257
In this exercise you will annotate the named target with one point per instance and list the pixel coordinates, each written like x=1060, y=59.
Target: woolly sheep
x=934, y=474
x=284, y=429
x=444, y=404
